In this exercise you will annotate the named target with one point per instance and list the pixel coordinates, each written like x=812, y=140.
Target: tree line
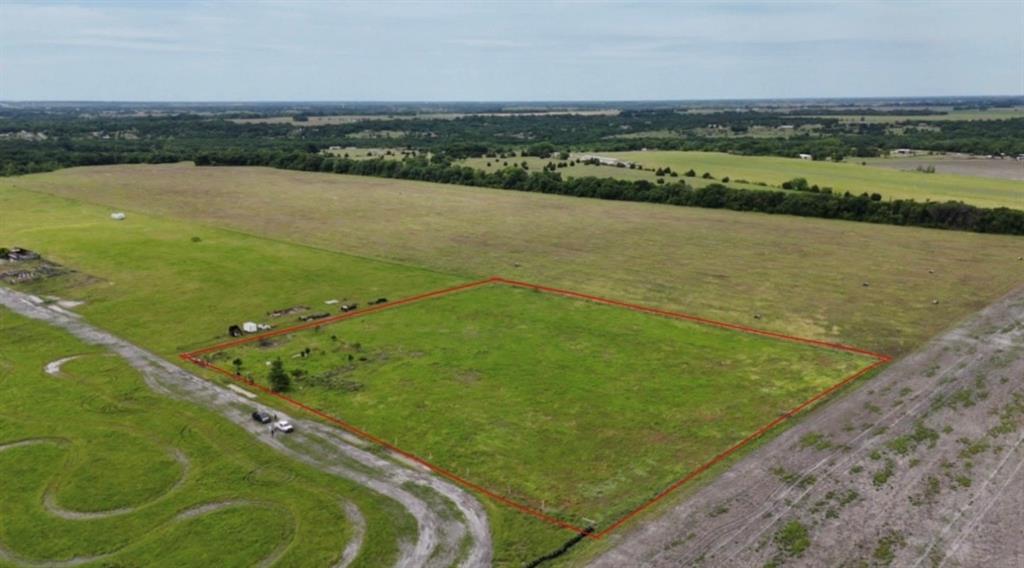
x=953, y=215
x=33, y=141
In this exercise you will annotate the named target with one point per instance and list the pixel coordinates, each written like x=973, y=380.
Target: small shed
x=118, y=216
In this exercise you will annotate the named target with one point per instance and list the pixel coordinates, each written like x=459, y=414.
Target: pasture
x=589, y=170
x=98, y=469
x=802, y=276
x=171, y=286
x=173, y=275
x=580, y=410
x=852, y=177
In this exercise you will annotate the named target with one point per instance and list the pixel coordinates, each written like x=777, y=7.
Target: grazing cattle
x=348, y=307
x=379, y=301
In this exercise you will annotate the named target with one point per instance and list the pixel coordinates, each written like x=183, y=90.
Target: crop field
x=852, y=177
x=458, y=379
x=97, y=469
x=803, y=276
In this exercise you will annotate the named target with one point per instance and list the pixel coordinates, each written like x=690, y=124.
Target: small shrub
x=792, y=539
x=279, y=379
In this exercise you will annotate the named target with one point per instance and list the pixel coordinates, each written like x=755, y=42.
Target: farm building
x=606, y=161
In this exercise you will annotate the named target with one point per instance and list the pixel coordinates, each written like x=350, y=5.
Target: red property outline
x=194, y=357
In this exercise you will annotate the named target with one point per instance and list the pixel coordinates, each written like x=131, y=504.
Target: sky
x=507, y=51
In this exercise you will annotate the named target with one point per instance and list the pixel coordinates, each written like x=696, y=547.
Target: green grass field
x=95, y=438
x=983, y=192
x=804, y=276
x=517, y=389
x=147, y=280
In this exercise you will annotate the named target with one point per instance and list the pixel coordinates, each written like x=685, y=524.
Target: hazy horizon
x=409, y=52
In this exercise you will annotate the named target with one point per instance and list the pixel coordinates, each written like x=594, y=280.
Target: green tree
x=238, y=366
x=279, y=380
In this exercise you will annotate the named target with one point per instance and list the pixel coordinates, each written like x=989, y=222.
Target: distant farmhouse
x=606, y=161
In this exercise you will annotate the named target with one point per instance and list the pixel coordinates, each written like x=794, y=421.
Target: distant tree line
x=33, y=141
x=802, y=202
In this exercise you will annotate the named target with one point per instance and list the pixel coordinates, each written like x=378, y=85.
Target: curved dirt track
x=355, y=518
x=441, y=538
x=920, y=466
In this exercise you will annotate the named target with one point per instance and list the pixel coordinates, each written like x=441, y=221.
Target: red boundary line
x=193, y=357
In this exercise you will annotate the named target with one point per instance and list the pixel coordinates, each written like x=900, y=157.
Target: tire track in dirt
x=355, y=544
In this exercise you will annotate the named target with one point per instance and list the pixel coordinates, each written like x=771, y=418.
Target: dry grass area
x=870, y=285
x=1000, y=168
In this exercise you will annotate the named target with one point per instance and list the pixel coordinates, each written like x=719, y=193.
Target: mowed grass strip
x=856, y=283
x=580, y=409
x=852, y=177
x=99, y=440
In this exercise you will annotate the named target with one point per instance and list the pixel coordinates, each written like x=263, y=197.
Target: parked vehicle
x=262, y=416
x=284, y=426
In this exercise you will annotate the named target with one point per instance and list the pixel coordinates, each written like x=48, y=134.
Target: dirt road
x=920, y=466
x=443, y=539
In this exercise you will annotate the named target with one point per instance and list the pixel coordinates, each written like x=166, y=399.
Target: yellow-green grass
x=851, y=177
x=146, y=280
x=582, y=410
x=575, y=170
x=803, y=276
x=101, y=440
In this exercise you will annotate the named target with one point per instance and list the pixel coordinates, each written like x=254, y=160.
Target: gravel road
x=442, y=537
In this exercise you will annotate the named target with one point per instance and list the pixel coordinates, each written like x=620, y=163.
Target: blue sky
x=551, y=50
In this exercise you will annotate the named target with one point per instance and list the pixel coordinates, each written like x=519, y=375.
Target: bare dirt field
x=1001, y=168
x=922, y=466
